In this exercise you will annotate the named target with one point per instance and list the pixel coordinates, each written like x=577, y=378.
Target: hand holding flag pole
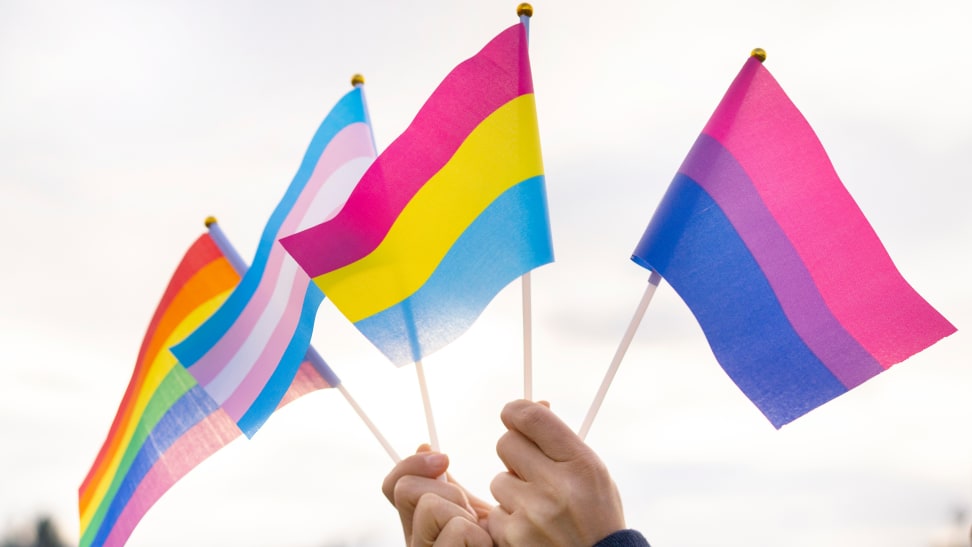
x=312, y=356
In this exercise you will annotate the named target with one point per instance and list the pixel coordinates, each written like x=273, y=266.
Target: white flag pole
x=315, y=359
x=653, y=282
x=426, y=402
x=525, y=11
x=527, y=339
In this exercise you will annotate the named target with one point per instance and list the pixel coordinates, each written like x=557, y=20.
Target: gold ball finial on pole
x=357, y=80
x=210, y=220
x=759, y=53
x=524, y=9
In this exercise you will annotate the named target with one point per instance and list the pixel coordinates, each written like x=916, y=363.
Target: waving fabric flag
x=797, y=296
x=166, y=424
x=453, y=211
x=247, y=353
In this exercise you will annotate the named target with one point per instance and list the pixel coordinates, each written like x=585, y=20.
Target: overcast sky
x=123, y=125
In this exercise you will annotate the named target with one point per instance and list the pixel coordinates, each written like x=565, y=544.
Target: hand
x=432, y=511
x=556, y=491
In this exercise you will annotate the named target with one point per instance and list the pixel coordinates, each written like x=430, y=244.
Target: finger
x=461, y=532
x=480, y=507
x=521, y=456
x=510, y=492
x=541, y=426
x=410, y=490
x=423, y=464
x=474, y=504
x=432, y=515
x=500, y=526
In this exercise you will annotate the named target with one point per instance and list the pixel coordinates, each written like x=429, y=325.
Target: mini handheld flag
x=166, y=424
x=247, y=353
x=448, y=215
x=797, y=296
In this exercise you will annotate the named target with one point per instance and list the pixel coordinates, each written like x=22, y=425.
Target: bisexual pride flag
x=794, y=291
x=449, y=214
x=166, y=423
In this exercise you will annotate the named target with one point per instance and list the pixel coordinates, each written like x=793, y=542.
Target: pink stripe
x=351, y=142
x=200, y=442
x=211, y=364
x=354, y=141
x=860, y=284
x=499, y=73
x=248, y=390
x=305, y=381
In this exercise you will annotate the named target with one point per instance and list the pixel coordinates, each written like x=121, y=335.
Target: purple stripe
x=720, y=175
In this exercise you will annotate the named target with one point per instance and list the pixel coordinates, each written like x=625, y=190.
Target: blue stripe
x=279, y=382
x=350, y=109
x=193, y=407
x=692, y=244
x=508, y=239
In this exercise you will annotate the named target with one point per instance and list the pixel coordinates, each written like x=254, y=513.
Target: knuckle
x=402, y=492
x=531, y=416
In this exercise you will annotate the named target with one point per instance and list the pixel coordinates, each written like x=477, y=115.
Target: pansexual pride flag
x=797, y=296
x=166, y=424
x=453, y=211
x=247, y=353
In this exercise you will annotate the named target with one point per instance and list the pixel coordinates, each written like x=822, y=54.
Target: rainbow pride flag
x=166, y=424
x=247, y=353
x=453, y=211
x=797, y=296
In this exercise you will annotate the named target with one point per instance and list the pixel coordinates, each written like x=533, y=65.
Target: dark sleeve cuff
x=624, y=538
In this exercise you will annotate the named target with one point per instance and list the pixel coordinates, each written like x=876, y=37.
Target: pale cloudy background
x=122, y=125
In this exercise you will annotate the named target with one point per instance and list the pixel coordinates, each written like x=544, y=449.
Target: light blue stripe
x=278, y=384
x=510, y=238
x=350, y=109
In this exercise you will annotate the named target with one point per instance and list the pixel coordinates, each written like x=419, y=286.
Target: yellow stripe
x=160, y=367
x=500, y=152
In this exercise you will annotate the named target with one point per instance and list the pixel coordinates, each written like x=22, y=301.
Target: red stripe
x=202, y=253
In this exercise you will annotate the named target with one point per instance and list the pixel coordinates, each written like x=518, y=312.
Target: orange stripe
x=214, y=278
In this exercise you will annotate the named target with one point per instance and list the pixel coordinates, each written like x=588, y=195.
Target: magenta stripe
x=351, y=142
x=248, y=390
x=758, y=125
x=716, y=171
x=469, y=94
x=354, y=141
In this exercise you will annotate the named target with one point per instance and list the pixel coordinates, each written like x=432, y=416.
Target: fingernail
x=436, y=459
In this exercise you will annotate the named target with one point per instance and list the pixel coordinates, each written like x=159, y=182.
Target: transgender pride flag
x=246, y=355
x=797, y=296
